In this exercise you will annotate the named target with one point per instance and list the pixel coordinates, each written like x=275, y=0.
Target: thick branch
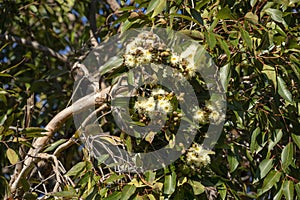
x=35, y=45
x=80, y=105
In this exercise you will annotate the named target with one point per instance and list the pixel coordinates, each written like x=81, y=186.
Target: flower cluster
x=158, y=102
x=147, y=48
x=197, y=157
x=211, y=112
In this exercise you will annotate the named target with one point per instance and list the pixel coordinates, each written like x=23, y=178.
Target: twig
x=83, y=103
x=35, y=45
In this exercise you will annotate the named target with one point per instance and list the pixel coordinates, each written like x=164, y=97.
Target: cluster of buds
x=197, y=157
x=148, y=48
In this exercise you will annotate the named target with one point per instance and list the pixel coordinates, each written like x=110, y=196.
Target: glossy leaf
x=159, y=8
x=76, y=169
x=283, y=90
x=288, y=189
x=263, y=169
x=127, y=192
x=170, y=183
x=287, y=155
x=271, y=180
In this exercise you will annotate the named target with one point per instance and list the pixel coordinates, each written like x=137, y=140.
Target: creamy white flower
x=150, y=105
x=200, y=116
x=158, y=91
x=131, y=48
x=129, y=60
x=147, y=56
x=197, y=156
x=164, y=105
x=189, y=55
x=216, y=117
x=174, y=59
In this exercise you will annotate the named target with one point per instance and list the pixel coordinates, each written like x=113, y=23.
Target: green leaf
x=113, y=63
x=283, y=90
x=66, y=194
x=296, y=139
x=152, y=5
x=151, y=197
x=115, y=196
x=246, y=37
x=12, y=156
x=198, y=188
x=159, y=8
x=127, y=192
x=251, y=17
x=223, y=44
x=196, y=15
x=271, y=74
x=55, y=144
x=297, y=188
x=277, y=137
x=114, y=177
x=275, y=14
x=211, y=39
x=263, y=169
x=254, y=146
x=170, y=183
x=76, y=169
x=222, y=191
x=278, y=195
x=225, y=74
x=288, y=189
x=271, y=179
x=33, y=8
x=225, y=13
x=287, y=155
x=233, y=162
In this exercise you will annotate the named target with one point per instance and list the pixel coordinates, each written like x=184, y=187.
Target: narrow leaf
x=160, y=7
x=196, y=15
x=170, y=183
x=263, y=169
x=287, y=155
x=283, y=90
x=152, y=5
x=271, y=74
x=296, y=139
x=271, y=179
x=76, y=169
x=127, y=192
x=288, y=189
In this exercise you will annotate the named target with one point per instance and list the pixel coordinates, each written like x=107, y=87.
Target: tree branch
x=83, y=103
x=34, y=45
x=114, y=5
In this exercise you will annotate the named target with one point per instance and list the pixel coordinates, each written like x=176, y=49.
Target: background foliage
x=255, y=44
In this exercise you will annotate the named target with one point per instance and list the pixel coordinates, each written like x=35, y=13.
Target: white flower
x=147, y=56
x=158, y=91
x=164, y=105
x=216, y=117
x=197, y=156
x=200, y=116
x=129, y=60
x=145, y=106
x=150, y=105
x=189, y=55
x=174, y=59
x=131, y=48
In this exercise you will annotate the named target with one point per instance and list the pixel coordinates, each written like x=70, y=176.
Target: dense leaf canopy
x=255, y=45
